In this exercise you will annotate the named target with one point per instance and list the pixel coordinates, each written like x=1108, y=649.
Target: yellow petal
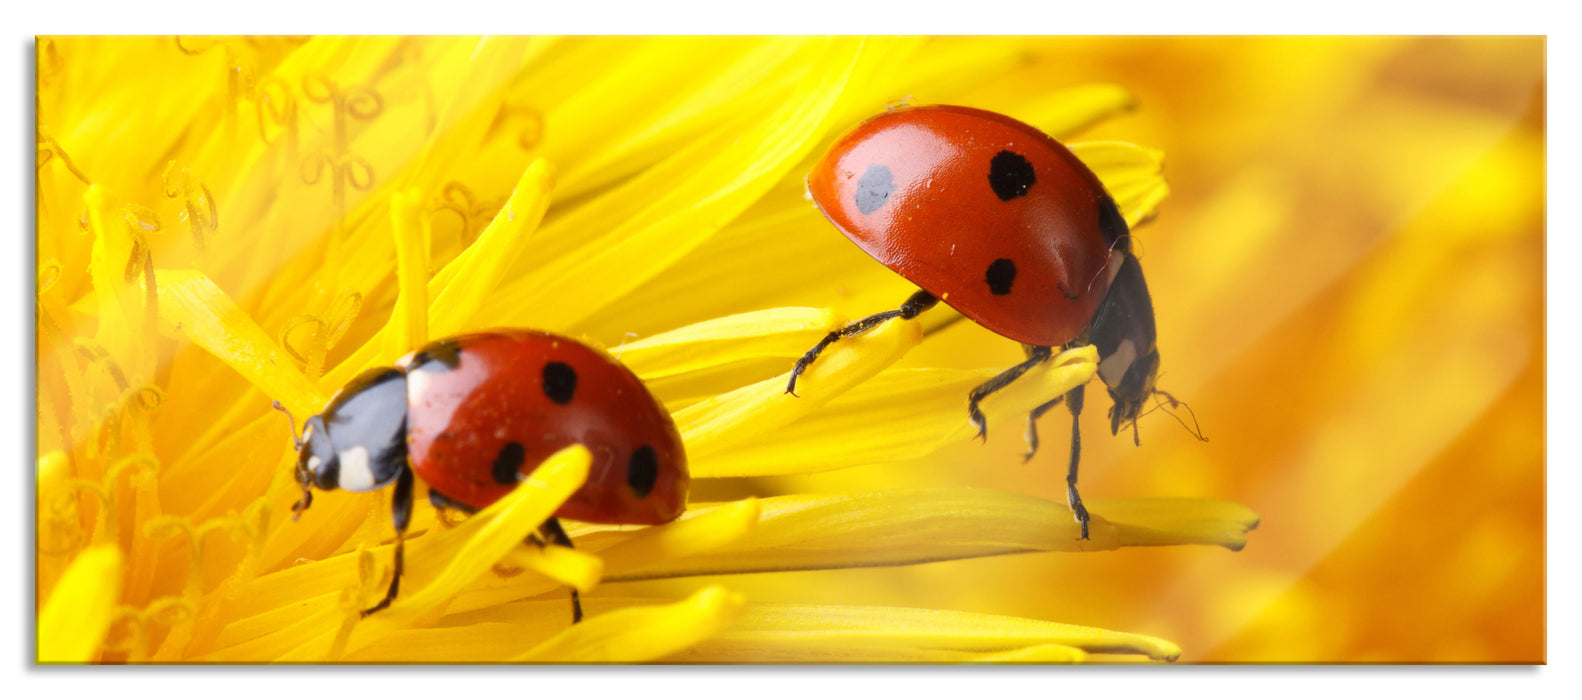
x=297, y=610
x=621, y=549
x=195, y=306
x=471, y=549
x=754, y=410
x=408, y=327
x=1132, y=174
x=473, y=276
x=634, y=232
x=72, y=625
x=1067, y=111
x=697, y=532
x=900, y=414
x=637, y=634
x=858, y=634
x=576, y=569
x=913, y=526
x=784, y=332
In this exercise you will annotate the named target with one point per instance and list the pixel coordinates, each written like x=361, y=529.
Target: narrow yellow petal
x=1133, y=175
x=472, y=643
x=457, y=289
x=618, y=549
x=695, y=533
x=900, y=414
x=1041, y=654
x=635, y=232
x=755, y=410
x=861, y=634
x=1060, y=113
x=194, y=305
x=72, y=625
x=579, y=570
x=473, y=276
x=471, y=549
x=1146, y=522
x=408, y=327
x=637, y=634
x=913, y=526
x=784, y=332
x=438, y=565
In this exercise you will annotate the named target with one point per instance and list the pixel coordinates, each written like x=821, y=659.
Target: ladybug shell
x=992, y=216
x=484, y=408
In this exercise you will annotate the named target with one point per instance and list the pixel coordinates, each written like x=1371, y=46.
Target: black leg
x=915, y=304
x=401, y=517
x=1074, y=403
x=1032, y=427
x=555, y=534
x=447, y=508
x=1035, y=355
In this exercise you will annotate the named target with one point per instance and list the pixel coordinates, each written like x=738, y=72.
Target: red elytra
x=1007, y=226
x=475, y=414
x=920, y=173
x=471, y=398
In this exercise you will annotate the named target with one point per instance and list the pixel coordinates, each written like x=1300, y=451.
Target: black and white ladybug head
x=1123, y=332
x=359, y=442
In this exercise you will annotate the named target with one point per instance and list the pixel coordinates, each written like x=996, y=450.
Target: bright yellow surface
x=1346, y=269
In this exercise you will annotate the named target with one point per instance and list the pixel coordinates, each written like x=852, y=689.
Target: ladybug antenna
x=295, y=440
x=1127, y=238
x=1174, y=402
x=304, y=477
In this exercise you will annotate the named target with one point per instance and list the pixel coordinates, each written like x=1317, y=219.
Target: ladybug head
x=1123, y=332
x=1134, y=387
x=359, y=442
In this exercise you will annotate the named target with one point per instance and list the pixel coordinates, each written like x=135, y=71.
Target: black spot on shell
x=560, y=382
x=1000, y=275
x=642, y=470
x=507, y=463
x=874, y=188
x=1010, y=175
x=1113, y=225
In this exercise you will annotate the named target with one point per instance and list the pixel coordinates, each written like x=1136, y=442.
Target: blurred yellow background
x=1348, y=279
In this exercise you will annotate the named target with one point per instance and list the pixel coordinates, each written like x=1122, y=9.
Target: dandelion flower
x=264, y=218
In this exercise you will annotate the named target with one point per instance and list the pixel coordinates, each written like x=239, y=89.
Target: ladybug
x=473, y=415
x=1007, y=226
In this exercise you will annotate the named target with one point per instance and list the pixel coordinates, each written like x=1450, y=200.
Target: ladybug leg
x=1035, y=355
x=915, y=304
x=1032, y=427
x=1074, y=403
x=445, y=506
x=555, y=534
x=401, y=517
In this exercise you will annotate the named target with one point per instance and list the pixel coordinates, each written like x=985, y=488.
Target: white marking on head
x=307, y=433
x=314, y=462
x=356, y=473
x=417, y=382
x=1112, y=368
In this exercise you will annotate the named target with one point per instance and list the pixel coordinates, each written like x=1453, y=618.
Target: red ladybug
x=1004, y=224
x=472, y=415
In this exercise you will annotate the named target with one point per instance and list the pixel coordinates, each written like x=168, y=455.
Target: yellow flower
x=261, y=219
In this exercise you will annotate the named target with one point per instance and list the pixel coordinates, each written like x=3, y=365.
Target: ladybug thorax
x=359, y=442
